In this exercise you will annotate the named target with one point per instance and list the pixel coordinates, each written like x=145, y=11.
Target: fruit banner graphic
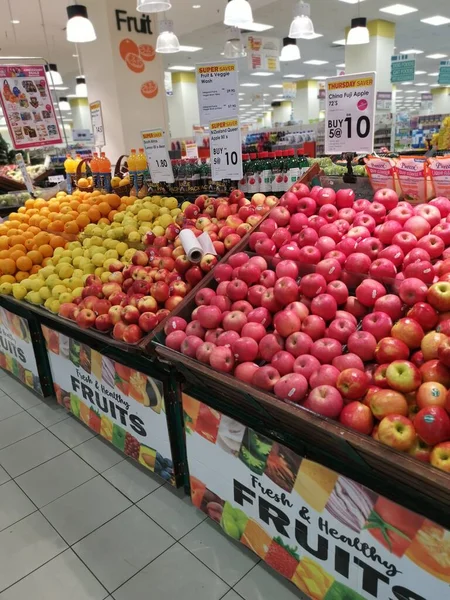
x=16, y=350
x=124, y=406
x=28, y=106
x=332, y=537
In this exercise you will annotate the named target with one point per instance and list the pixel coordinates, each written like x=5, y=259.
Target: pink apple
x=210, y=316
x=345, y=198
x=424, y=314
x=314, y=326
x=325, y=375
x=379, y=324
x=259, y=315
x=222, y=359
x=429, y=212
x=358, y=263
x=363, y=344
x=368, y=292
x=283, y=362
x=405, y=240
x=326, y=349
x=265, y=377
x=387, y=197
x=340, y=329
x=298, y=343
x=348, y=361
x=189, y=345
x=393, y=253
x=286, y=322
x=442, y=204
x=268, y=277
x=325, y=306
x=245, y=349
x=418, y=226
x=412, y=290
x=175, y=339
x=194, y=328
x=432, y=244
x=285, y=290
x=286, y=268
x=357, y=416
x=245, y=371
x=291, y=387
x=225, y=338
x=338, y=290
x=325, y=400
x=389, y=304
x=234, y=321
x=312, y=285
x=281, y=237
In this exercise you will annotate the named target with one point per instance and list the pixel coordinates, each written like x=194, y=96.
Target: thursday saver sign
x=332, y=537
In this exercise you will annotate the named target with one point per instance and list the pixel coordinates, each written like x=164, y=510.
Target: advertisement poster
x=332, y=537
x=217, y=86
x=289, y=90
x=384, y=101
x=263, y=53
x=122, y=405
x=350, y=113
x=226, y=154
x=28, y=106
x=158, y=159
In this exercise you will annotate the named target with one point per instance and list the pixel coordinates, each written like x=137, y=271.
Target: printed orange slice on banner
x=191, y=408
x=147, y=52
x=312, y=579
x=149, y=89
x=208, y=422
x=315, y=483
x=134, y=62
x=430, y=550
x=126, y=47
x=138, y=382
x=198, y=490
x=256, y=538
x=282, y=558
x=85, y=413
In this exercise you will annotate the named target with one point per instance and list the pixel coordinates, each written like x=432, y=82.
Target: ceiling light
x=276, y=85
x=258, y=27
x=60, y=88
x=421, y=84
x=319, y=77
x=437, y=56
x=245, y=105
x=190, y=48
x=352, y=1
x=234, y=46
x=238, y=13
x=15, y=22
x=433, y=74
x=290, y=50
x=64, y=103
x=290, y=76
x=241, y=93
x=79, y=29
x=341, y=66
x=250, y=84
x=358, y=34
x=435, y=85
x=316, y=62
x=167, y=42
x=398, y=9
x=437, y=20
x=75, y=55
x=52, y=75
x=265, y=95
x=410, y=91
x=302, y=27
x=339, y=42
x=420, y=72
x=261, y=74
x=181, y=68
x=196, y=6
x=81, y=88
x=411, y=51
x=153, y=6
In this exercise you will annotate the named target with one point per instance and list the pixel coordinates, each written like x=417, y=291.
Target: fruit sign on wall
x=124, y=406
x=332, y=537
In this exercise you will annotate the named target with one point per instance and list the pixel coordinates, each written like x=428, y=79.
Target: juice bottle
x=277, y=172
x=253, y=175
x=83, y=166
x=205, y=175
x=70, y=165
x=105, y=172
x=292, y=169
x=286, y=156
x=303, y=162
x=141, y=167
x=132, y=169
x=272, y=160
x=243, y=184
x=94, y=164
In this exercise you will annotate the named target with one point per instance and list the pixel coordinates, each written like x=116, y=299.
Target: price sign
x=218, y=86
x=191, y=150
x=158, y=159
x=350, y=113
x=226, y=153
x=97, y=123
x=56, y=178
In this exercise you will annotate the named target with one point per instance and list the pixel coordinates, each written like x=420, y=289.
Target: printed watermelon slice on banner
x=282, y=466
x=282, y=558
x=95, y=420
x=312, y=579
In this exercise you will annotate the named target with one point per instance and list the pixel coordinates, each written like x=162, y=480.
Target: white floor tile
x=26, y=546
x=30, y=452
x=175, y=574
x=100, y=455
x=3, y=476
x=19, y=393
x=14, y=505
x=8, y=407
x=263, y=583
x=85, y=508
x=63, y=577
x=173, y=510
x=17, y=428
x=229, y=560
x=122, y=547
x=72, y=432
x=230, y=596
x=55, y=478
x=49, y=413
x=132, y=481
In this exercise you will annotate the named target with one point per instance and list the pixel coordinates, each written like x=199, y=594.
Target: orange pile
x=29, y=237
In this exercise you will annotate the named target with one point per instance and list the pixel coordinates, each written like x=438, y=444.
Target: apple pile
x=139, y=295
x=363, y=337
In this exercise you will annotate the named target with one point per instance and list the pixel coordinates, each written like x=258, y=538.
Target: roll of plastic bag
x=191, y=245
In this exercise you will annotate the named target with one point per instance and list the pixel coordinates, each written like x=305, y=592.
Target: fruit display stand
x=22, y=350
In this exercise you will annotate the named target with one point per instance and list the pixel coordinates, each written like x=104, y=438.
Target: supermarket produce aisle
x=79, y=521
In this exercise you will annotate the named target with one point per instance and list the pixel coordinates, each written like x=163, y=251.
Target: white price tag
x=350, y=113
x=158, y=159
x=226, y=149
x=56, y=178
x=218, y=87
x=191, y=150
x=97, y=123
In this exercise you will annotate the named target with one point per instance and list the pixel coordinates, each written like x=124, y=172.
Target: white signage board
x=97, y=123
x=226, y=149
x=218, y=88
x=158, y=159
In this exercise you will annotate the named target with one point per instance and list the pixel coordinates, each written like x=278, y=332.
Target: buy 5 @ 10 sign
x=226, y=153
x=350, y=113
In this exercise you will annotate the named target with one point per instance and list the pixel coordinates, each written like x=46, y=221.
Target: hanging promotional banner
x=217, y=87
x=444, y=72
x=158, y=159
x=168, y=83
x=97, y=123
x=124, y=406
x=403, y=68
x=350, y=113
x=426, y=101
x=332, y=537
x=384, y=100
x=289, y=90
x=226, y=150
x=263, y=53
x=28, y=107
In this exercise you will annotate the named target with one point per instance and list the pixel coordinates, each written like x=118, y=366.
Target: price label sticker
x=350, y=113
x=191, y=150
x=97, y=123
x=226, y=149
x=218, y=87
x=56, y=178
x=154, y=142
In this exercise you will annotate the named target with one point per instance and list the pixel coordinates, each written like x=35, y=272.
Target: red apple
x=409, y=331
x=363, y=344
x=265, y=377
x=440, y=456
x=357, y=416
x=352, y=383
x=291, y=387
x=325, y=400
x=326, y=349
x=403, y=376
x=397, y=431
x=432, y=425
x=389, y=349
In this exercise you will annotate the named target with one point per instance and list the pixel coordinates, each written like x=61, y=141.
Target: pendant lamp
x=81, y=87
x=358, y=34
x=52, y=75
x=63, y=104
x=153, y=6
x=238, y=13
x=302, y=27
x=79, y=28
x=167, y=42
x=290, y=50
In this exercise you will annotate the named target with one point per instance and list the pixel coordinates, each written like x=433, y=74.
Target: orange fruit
x=44, y=224
x=39, y=203
x=66, y=218
x=147, y=52
x=46, y=250
x=16, y=254
x=4, y=253
x=29, y=203
x=71, y=227
x=16, y=239
x=111, y=215
x=34, y=230
x=42, y=238
x=122, y=207
x=126, y=46
x=83, y=207
x=113, y=200
x=21, y=275
x=149, y=89
x=104, y=208
x=53, y=206
x=134, y=62
x=82, y=221
x=57, y=241
x=46, y=261
x=35, y=269
x=7, y=266
x=104, y=220
x=36, y=258
x=19, y=247
x=23, y=226
x=29, y=244
x=4, y=242
x=3, y=230
x=22, y=210
x=65, y=209
x=74, y=204
x=45, y=211
x=94, y=214
x=24, y=263
x=12, y=232
x=57, y=226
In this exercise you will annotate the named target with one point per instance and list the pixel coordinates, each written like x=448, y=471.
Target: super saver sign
x=331, y=537
x=217, y=85
x=350, y=113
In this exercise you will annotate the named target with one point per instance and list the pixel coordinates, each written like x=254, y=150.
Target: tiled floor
x=78, y=521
